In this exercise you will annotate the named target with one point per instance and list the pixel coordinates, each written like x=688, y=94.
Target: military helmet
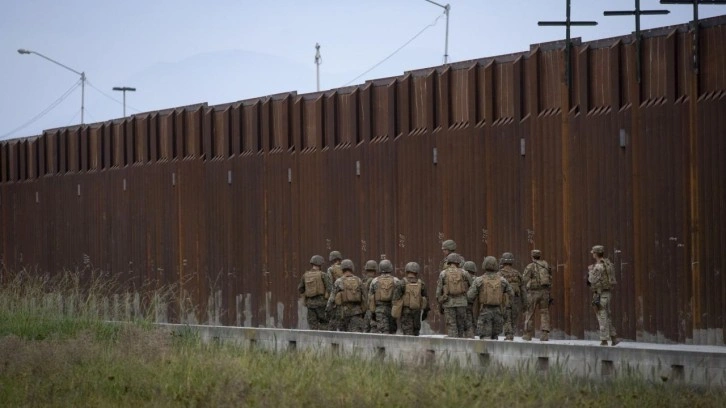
x=371, y=265
x=470, y=266
x=449, y=245
x=386, y=266
x=489, y=264
x=334, y=255
x=412, y=267
x=507, y=258
x=453, y=258
x=347, y=265
x=536, y=253
x=317, y=260
x=598, y=249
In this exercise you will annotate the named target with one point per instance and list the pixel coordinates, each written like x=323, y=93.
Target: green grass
x=49, y=357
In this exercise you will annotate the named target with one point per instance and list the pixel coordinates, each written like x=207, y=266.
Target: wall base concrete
x=696, y=365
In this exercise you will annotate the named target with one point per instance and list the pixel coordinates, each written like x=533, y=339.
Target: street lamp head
x=23, y=51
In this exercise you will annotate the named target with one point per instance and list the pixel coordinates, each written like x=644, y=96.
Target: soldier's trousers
x=604, y=319
x=410, y=321
x=470, y=323
x=385, y=323
x=490, y=322
x=456, y=321
x=512, y=317
x=317, y=318
x=354, y=323
x=537, y=299
x=334, y=319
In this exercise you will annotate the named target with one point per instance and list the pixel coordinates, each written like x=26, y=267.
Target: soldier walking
x=490, y=290
x=601, y=279
x=380, y=297
x=447, y=247
x=347, y=294
x=410, y=302
x=451, y=289
x=334, y=273
x=370, y=271
x=537, y=280
x=515, y=304
x=315, y=286
x=470, y=267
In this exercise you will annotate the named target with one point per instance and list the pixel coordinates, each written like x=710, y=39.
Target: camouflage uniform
x=334, y=272
x=538, y=296
x=491, y=317
x=601, y=280
x=384, y=322
x=410, y=319
x=515, y=305
x=458, y=321
x=351, y=312
x=371, y=269
x=316, y=315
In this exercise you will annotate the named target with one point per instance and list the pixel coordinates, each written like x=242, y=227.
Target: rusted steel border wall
x=230, y=201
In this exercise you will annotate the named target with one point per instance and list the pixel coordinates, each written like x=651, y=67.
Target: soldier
x=380, y=297
x=410, y=300
x=315, y=286
x=448, y=247
x=334, y=272
x=347, y=294
x=513, y=312
x=451, y=294
x=601, y=279
x=491, y=290
x=537, y=280
x=470, y=267
x=371, y=269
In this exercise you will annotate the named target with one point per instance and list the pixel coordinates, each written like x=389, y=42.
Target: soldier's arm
x=331, y=299
x=328, y=282
x=507, y=288
x=398, y=290
x=440, y=286
x=301, y=285
x=473, y=291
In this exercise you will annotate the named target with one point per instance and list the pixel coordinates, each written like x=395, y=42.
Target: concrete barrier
x=696, y=365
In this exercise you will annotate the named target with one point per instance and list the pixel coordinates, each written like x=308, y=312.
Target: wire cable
x=44, y=111
x=397, y=50
x=74, y=117
x=111, y=97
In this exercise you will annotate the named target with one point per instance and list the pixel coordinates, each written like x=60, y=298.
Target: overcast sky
x=178, y=52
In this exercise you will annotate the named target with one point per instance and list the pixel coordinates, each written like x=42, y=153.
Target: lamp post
x=124, y=89
x=446, y=8
x=23, y=51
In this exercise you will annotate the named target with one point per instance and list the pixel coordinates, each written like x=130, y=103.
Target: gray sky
x=179, y=52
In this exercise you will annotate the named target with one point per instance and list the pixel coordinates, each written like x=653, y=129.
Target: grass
x=52, y=356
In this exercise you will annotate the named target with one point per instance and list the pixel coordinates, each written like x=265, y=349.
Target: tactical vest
x=351, y=290
x=314, y=285
x=514, y=279
x=412, y=295
x=491, y=291
x=542, y=274
x=456, y=284
x=336, y=271
x=384, y=288
x=608, y=278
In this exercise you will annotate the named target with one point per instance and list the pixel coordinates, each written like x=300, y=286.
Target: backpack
x=351, y=290
x=412, y=296
x=491, y=291
x=455, y=283
x=384, y=291
x=609, y=272
x=336, y=272
x=543, y=274
x=314, y=285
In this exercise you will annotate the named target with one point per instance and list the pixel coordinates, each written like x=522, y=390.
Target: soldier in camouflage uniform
x=601, y=278
x=513, y=312
x=334, y=272
x=380, y=298
x=491, y=291
x=451, y=289
x=537, y=280
x=371, y=269
x=470, y=267
x=410, y=300
x=447, y=247
x=314, y=287
x=348, y=295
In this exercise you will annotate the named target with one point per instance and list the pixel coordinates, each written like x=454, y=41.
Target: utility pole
x=446, y=8
x=318, y=61
x=124, y=89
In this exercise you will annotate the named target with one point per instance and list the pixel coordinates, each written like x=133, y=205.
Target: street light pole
x=446, y=8
x=124, y=89
x=23, y=51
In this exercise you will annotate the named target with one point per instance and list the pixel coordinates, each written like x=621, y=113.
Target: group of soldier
x=338, y=300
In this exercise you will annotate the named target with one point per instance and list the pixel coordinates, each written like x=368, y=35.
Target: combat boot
x=604, y=343
x=527, y=337
x=509, y=338
x=615, y=340
x=545, y=336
